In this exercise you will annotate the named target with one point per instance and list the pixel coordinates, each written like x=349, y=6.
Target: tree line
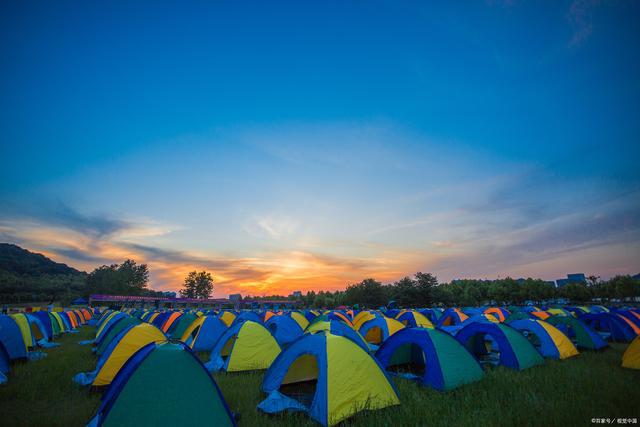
x=61, y=283
x=424, y=290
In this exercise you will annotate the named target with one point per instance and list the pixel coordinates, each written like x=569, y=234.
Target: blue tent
x=284, y=329
x=212, y=328
x=79, y=301
x=4, y=364
x=11, y=338
x=338, y=327
x=446, y=363
x=345, y=379
x=160, y=319
x=247, y=315
x=45, y=321
x=610, y=326
x=499, y=343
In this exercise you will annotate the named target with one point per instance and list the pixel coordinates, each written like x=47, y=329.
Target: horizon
x=306, y=147
x=177, y=289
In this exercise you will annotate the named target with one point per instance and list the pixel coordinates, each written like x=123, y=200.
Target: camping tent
x=548, y=339
x=119, y=351
x=343, y=377
x=578, y=332
x=452, y=317
x=284, y=329
x=611, y=326
x=497, y=343
x=12, y=339
x=138, y=396
x=412, y=319
x=338, y=327
x=437, y=358
x=378, y=329
x=227, y=317
x=203, y=333
x=498, y=312
x=245, y=346
x=631, y=356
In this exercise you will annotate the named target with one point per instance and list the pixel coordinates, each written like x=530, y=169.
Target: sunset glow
x=340, y=147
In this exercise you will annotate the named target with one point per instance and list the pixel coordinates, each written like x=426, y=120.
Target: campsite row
x=329, y=365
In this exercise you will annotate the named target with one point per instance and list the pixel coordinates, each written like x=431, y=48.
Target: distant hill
x=14, y=259
x=28, y=276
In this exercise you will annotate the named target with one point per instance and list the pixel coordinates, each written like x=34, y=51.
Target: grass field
x=570, y=392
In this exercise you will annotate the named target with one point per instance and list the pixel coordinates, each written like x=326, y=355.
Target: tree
x=425, y=284
x=197, y=285
x=369, y=292
x=127, y=278
x=405, y=292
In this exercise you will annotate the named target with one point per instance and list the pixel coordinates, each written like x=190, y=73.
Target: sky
x=308, y=145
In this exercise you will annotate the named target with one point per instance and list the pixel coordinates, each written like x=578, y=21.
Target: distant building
x=296, y=294
x=169, y=294
x=571, y=278
x=235, y=297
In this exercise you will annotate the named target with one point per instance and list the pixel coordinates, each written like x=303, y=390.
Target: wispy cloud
x=280, y=271
x=580, y=17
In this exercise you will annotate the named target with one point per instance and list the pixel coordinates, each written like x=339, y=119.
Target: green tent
x=113, y=332
x=163, y=384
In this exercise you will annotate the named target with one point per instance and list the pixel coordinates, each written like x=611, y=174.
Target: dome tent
x=444, y=363
x=378, y=329
x=170, y=320
x=432, y=314
x=631, y=356
x=284, y=328
x=11, y=338
x=115, y=330
x=346, y=378
x=136, y=397
x=578, y=332
x=611, y=326
x=300, y=318
x=338, y=327
x=512, y=348
x=118, y=352
x=245, y=316
x=227, y=317
x=413, y=319
x=452, y=317
x=4, y=364
x=498, y=312
x=245, y=346
x=180, y=325
x=548, y=339
x=203, y=333
x=105, y=327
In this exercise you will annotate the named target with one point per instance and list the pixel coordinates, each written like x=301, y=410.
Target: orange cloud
x=278, y=272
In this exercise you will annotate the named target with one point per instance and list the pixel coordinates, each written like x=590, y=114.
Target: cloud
x=612, y=225
x=56, y=213
x=90, y=243
x=272, y=226
x=581, y=19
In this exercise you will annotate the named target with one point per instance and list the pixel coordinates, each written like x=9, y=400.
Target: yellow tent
x=136, y=338
x=302, y=321
x=631, y=357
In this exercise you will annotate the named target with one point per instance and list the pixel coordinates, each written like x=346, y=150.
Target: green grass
x=569, y=392
x=41, y=393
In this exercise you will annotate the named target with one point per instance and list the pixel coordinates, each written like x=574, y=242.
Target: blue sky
x=298, y=145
